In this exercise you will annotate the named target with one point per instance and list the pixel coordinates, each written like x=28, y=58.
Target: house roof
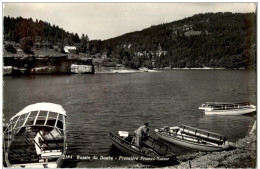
x=67, y=48
x=70, y=47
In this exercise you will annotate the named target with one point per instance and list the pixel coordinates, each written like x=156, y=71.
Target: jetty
x=46, y=64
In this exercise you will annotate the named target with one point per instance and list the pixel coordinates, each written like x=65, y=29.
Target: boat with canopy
x=36, y=137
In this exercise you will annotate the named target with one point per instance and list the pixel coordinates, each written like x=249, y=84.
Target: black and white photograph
x=129, y=84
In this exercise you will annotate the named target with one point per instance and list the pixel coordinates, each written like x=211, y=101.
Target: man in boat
x=141, y=132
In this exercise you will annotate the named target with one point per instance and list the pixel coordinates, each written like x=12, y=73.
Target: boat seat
x=19, y=144
x=51, y=146
x=51, y=155
x=55, y=141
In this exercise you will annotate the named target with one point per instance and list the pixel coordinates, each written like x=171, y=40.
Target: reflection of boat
x=151, y=150
x=36, y=137
x=193, y=138
x=222, y=108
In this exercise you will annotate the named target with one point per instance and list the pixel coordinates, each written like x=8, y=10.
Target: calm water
x=97, y=104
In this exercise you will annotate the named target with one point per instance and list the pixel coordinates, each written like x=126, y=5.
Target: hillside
x=204, y=40
x=218, y=40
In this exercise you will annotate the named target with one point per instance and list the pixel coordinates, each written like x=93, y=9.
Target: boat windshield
x=37, y=118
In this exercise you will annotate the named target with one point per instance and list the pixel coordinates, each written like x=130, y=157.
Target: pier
x=32, y=65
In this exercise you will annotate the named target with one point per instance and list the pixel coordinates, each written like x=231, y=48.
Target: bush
x=10, y=48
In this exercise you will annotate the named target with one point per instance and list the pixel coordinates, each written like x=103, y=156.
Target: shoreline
x=141, y=70
x=89, y=69
x=126, y=71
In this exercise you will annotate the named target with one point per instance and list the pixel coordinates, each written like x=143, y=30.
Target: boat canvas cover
x=42, y=106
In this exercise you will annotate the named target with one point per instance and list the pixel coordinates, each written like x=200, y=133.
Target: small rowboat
x=193, y=138
x=219, y=108
x=36, y=137
x=151, y=150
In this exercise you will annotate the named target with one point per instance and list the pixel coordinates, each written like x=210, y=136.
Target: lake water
x=101, y=103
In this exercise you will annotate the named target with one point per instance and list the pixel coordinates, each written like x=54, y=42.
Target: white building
x=69, y=49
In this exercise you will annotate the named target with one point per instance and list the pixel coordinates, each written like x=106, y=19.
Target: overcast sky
x=108, y=20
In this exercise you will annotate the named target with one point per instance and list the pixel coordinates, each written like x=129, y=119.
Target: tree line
x=220, y=40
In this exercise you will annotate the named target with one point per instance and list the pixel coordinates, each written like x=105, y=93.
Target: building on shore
x=70, y=49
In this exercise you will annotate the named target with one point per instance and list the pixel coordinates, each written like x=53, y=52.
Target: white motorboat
x=222, y=108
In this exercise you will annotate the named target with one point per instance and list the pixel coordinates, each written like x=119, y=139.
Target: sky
x=108, y=20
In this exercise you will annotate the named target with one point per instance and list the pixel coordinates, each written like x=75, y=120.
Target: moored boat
x=222, y=108
x=150, y=151
x=36, y=137
x=194, y=138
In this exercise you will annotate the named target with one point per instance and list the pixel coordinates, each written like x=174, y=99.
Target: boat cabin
x=225, y=105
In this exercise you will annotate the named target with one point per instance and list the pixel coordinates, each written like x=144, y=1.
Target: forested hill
x=220, y=40
x=204, y=40
x=28, y=34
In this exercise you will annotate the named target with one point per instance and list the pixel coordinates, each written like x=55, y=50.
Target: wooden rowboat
x=193, y=138
x=36, y=137
x=151, y=150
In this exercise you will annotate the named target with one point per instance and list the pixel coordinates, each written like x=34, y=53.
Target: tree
x=76, y=38
x=26, y=44
x=84, y=46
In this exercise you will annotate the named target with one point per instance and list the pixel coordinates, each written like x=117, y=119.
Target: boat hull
x=139, y=155
x=230, y=112
x=38, y=165
x=128, y=151
x=205, y=108
x=188, y=144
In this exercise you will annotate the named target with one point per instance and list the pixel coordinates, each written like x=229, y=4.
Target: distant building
x=70, y=49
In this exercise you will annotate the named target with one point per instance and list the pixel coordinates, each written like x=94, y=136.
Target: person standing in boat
x=141, y=132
